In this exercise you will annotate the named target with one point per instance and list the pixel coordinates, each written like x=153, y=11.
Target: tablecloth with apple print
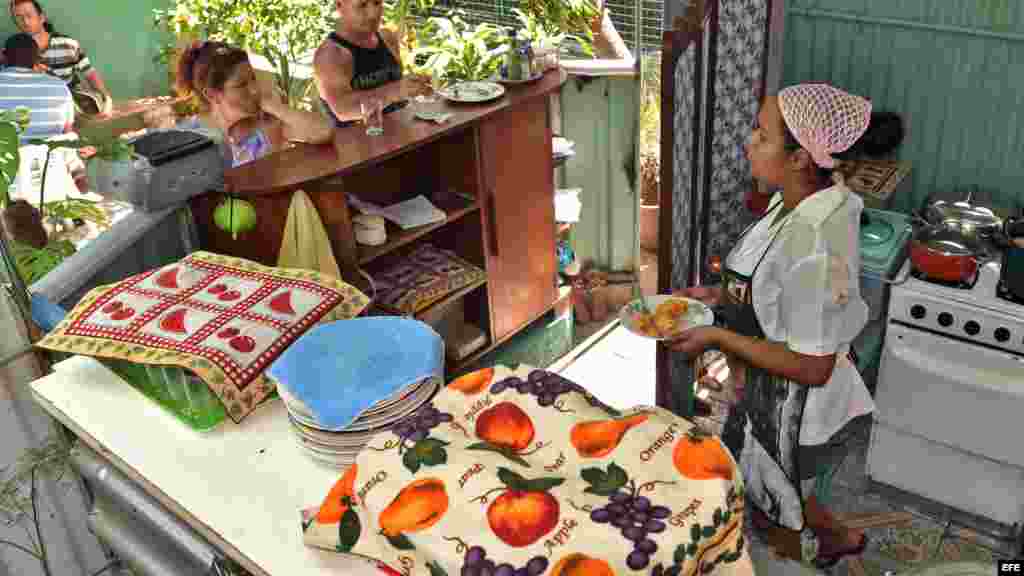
x=523, y=472
x=225, y=319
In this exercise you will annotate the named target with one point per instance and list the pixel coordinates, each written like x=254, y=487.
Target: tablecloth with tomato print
x=521, y=472
x=225, y=319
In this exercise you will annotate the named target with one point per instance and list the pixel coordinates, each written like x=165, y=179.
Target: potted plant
x=452, y=50
x=111, y=169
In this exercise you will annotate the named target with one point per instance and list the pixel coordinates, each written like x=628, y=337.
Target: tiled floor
x=907, y=535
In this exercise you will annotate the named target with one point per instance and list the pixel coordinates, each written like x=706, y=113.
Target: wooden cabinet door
x=519, y=214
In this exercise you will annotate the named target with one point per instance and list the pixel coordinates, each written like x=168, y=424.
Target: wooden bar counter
x=492, y=165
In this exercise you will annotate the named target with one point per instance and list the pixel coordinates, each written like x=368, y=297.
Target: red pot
x=944, y=253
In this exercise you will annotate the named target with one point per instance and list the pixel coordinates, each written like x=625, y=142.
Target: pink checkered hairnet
x=825, y=120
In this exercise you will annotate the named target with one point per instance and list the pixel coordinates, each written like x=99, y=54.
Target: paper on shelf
x=408, y=214
x=562, y=146
x=568, y=205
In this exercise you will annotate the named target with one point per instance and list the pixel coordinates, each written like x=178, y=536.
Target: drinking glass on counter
x=373, y=116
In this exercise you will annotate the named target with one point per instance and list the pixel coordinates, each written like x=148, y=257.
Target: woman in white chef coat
x=791, y=306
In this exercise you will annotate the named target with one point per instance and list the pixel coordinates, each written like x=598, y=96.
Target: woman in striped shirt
x=62, y=55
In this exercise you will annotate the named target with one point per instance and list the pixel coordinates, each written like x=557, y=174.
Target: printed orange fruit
x=598, y=438
x=505, y=425
x=474, y=382
x=699, y=456
x=333, y=507
x=417, y=507
x=581, y=565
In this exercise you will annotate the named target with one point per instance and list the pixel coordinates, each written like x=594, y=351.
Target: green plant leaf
x=9, y=157
x=695, y=532
x=435, y=569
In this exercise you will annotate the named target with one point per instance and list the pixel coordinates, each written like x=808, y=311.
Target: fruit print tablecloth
x=523, y=473
x=225, y=319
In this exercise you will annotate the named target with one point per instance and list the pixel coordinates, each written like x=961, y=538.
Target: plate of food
x=472, y=92
x=664, y=316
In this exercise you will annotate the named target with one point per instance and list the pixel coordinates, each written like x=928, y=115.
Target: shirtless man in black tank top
x=358, y=60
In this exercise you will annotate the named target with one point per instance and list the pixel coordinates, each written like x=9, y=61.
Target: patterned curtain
x=707, y=220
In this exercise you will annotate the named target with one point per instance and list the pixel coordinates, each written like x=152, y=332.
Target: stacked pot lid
x=339, y=447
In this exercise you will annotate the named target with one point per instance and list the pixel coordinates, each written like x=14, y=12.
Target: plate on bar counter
x=503, y=80
x=472, y=92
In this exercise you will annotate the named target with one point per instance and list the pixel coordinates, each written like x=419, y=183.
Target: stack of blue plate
x=347, y=381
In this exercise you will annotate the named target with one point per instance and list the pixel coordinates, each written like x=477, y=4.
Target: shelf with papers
x=455, y=208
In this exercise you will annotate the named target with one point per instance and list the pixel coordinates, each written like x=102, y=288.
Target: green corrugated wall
x=117, y=35
x=954, y=68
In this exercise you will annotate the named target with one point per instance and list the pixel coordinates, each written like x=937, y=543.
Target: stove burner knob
x=972, y=328
x=945, y=319
x=917, y=311
x=1002, y=334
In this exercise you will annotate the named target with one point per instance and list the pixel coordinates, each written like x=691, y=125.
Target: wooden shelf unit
x=493, y=162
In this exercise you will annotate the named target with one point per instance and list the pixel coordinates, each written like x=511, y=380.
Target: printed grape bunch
x=414, y=439
x=548, y=387
x=476, y=563
x=635, y=516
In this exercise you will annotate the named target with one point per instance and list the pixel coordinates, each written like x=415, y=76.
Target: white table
x=240, y=486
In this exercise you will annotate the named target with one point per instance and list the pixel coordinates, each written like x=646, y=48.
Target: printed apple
x=112, y=307
x=217, y=289
x=229, y=332
x=526, y=511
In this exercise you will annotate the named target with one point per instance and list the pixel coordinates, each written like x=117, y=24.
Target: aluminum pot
x=943, y=252
x=971, y=219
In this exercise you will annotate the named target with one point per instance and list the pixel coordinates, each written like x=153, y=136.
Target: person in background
x=48, y=99
x=62, y=55
x=791, y=306
x=23, y=83
x=358, y=60
x=254, y=120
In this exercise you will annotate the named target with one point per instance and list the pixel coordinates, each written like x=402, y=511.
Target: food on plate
x=666, y=320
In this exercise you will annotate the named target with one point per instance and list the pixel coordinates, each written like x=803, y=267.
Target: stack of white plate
x=339, y=447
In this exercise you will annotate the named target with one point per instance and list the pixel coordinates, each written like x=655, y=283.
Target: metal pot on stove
x=970, y=219
x=946, y=253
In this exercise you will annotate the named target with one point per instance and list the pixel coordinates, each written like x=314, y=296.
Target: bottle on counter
x=513, y=58
x=526, y=57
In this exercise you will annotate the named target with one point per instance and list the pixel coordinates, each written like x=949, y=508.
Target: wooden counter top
x=353, y=149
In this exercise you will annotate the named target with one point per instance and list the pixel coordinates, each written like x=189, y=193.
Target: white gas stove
x=949, y=423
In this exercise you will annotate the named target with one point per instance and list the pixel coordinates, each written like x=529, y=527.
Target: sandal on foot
x=826, y=561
